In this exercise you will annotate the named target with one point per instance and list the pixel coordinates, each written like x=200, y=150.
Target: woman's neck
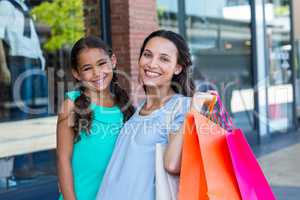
x=157, y=97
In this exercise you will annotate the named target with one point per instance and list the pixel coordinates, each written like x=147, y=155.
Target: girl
x=164, y=64
x=90, y=120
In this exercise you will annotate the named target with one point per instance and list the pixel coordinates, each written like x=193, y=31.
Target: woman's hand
x=201, y=100
x=172, y=159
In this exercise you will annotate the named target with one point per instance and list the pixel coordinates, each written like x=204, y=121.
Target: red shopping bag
x=206, y=170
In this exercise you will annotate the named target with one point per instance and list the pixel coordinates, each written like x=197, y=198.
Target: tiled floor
x=42, y=188
x=281, y=165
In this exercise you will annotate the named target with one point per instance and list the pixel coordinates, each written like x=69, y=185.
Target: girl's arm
x=64, y=149
x=172, y=159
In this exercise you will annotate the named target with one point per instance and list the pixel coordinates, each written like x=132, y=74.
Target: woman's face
x=95, y=69
x=158, y=63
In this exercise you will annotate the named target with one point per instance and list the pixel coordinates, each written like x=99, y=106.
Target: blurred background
x=247, y=50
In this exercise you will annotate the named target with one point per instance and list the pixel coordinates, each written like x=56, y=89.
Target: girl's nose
x=96, y=71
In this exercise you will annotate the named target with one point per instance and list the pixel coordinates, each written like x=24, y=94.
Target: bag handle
x=211, y=107
x=225, y=117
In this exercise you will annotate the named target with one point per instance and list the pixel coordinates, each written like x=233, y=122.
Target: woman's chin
x=150, y=84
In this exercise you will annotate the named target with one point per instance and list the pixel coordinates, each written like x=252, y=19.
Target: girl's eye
x=101, y=63
x=86, y=68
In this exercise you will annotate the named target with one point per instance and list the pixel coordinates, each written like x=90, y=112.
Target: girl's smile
x=99, y=81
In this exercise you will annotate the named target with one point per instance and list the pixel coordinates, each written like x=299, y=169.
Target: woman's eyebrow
x=165, y=54
x=162, y=54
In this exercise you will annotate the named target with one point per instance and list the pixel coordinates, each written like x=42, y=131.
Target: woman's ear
x=178, y=69
x=113, y=59
x=76, y=74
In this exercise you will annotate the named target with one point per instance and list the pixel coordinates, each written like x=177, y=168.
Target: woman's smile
x=152, y=74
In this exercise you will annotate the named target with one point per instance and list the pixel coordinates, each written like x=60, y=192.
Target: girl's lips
x=152, y=74
x=100, y=81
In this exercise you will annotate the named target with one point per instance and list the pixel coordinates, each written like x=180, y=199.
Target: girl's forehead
x=94, y=51
x=92, y=55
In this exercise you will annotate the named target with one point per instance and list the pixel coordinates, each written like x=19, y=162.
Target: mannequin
x=20, y=53
x=4, y=71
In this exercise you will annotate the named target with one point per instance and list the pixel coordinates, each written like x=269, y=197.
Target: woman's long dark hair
x=82, y=113
x=183, y=82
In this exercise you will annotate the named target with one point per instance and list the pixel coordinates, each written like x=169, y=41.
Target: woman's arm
x=64, y=149
x=172, y=159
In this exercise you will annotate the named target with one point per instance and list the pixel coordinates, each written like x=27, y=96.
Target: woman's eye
x=147, y=55
x=164, y=59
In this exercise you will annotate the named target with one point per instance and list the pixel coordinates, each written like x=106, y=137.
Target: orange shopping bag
x=206, y=168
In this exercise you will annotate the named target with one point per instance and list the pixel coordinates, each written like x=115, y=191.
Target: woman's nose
x=153, y=63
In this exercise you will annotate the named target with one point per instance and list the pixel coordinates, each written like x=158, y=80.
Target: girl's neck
x=102, y=98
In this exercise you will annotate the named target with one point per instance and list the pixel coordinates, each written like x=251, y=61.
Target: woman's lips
x=152, y=74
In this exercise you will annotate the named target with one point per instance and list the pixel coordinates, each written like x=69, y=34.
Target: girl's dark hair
x=82, y=113
x=183, y=82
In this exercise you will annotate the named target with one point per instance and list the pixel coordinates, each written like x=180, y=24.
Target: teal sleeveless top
x=91, y=154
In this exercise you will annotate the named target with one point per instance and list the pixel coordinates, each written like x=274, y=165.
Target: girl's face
x=158, y=63
x=95, y=69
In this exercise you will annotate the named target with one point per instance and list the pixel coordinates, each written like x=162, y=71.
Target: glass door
x=219, y=35
x=280, y=82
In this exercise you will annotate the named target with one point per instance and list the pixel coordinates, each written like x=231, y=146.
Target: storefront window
x=35, y=41
x=297, y=71
x=167, y=11
x=23, y=77
x=219, y=35
x=35, y=38
x=280, y=90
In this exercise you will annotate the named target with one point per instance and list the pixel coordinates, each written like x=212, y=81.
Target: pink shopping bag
x=251, y=180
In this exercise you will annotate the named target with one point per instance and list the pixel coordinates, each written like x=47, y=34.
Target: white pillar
x=260, y=47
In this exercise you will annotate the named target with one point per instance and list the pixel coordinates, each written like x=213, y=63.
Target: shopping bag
x=206, y=168
x=165, y=183
x=251, y=180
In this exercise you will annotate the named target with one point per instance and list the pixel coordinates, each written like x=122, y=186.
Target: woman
x=164, y=65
